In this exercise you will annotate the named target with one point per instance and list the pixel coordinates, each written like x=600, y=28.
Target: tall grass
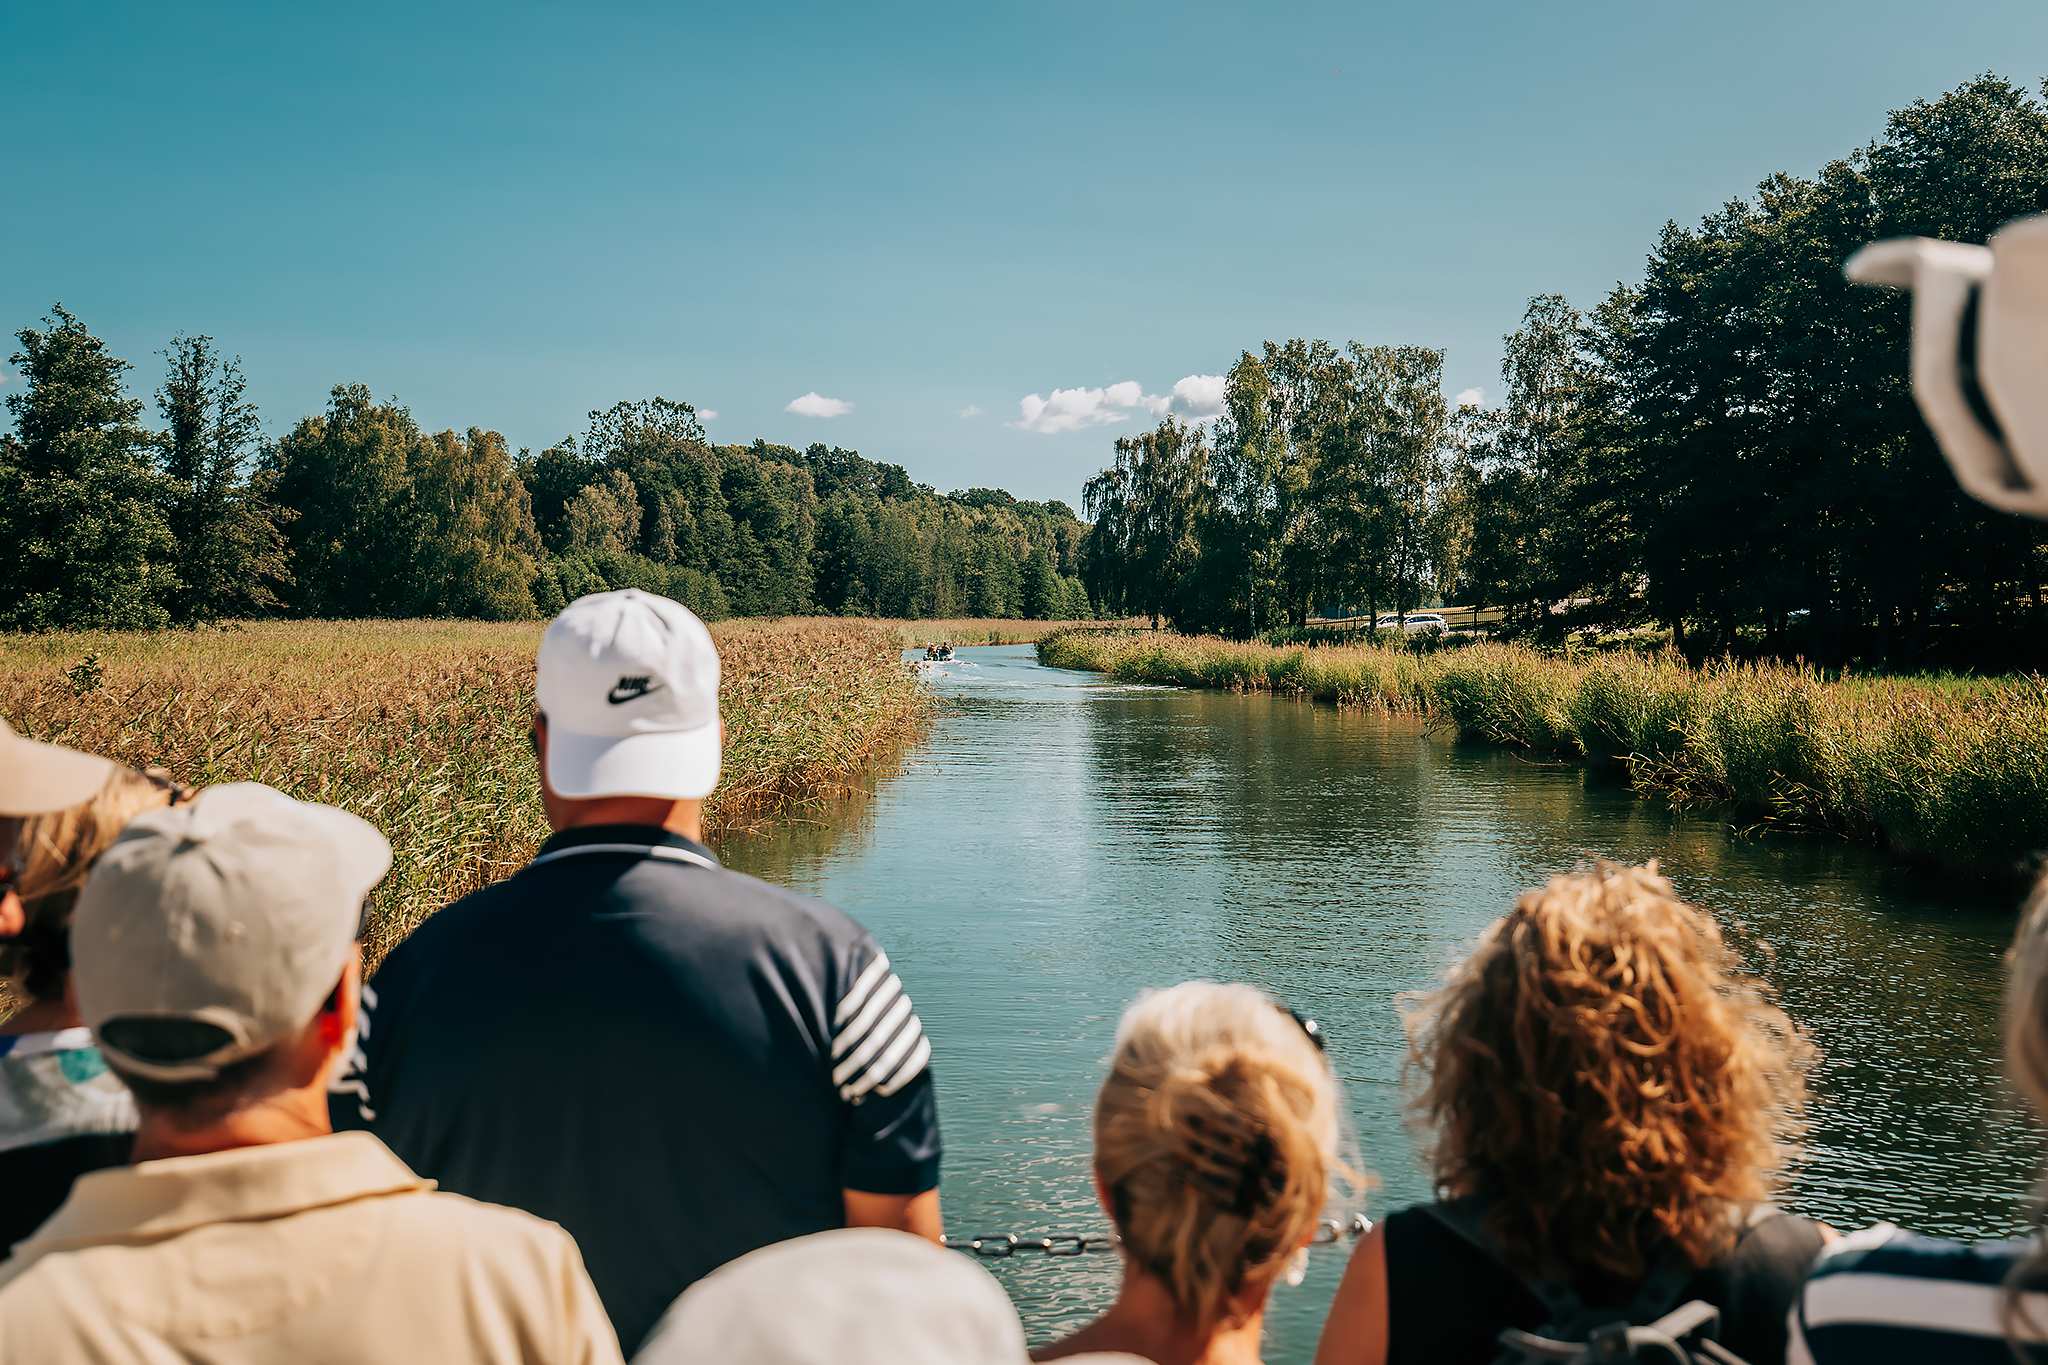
x=1951, y=769
x=420, y=727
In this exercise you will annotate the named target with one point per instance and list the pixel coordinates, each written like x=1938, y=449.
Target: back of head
x=1215, y=1134
x=1605, y=1074
x=853, y=1296
x=57, y=850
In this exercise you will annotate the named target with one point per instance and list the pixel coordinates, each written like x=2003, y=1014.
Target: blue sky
x=508, y=214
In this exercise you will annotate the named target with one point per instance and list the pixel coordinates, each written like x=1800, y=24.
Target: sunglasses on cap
x=1308, y=1026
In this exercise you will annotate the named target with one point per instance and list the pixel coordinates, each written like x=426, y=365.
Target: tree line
x=357, y=511
x=1727, y=448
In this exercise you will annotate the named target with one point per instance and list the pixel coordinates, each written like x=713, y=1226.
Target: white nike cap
x=628, y=682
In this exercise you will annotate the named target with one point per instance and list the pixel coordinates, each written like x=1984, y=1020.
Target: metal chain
x=997, y=1245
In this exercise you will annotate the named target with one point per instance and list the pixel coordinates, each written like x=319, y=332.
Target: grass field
x=1946, y=768
x=420, y=726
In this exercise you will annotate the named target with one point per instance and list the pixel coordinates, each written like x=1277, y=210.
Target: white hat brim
x=36, y=777
x=675, y=765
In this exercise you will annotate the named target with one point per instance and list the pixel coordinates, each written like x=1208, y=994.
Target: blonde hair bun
x=1215, y=1135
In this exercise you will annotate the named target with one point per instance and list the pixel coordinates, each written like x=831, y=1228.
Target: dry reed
x=421, y=726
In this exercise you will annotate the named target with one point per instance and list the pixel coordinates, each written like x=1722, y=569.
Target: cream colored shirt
x=322, y=1250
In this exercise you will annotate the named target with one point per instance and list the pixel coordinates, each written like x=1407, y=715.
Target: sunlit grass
x=1947, y=767
x=421, y=726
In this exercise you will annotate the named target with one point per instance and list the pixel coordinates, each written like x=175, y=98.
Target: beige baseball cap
x=629, y=683
x=35, y=778
x=212, y=929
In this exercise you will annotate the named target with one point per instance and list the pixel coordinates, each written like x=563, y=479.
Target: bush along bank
x=1950, y=770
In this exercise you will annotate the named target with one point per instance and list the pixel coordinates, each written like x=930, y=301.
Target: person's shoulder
x=488, y=1231
x=1887, y=1250
x=479, y=912
x=752, y=908
x=1880, y=1294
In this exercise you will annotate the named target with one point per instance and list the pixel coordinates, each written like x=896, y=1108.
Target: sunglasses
x=1308, y=1026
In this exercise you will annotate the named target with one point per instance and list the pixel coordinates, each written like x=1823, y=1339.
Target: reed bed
x=421, y=726
x=985, y=631
x=1950, y=769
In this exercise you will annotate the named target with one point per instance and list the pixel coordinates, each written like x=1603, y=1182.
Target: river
x=1061, y=841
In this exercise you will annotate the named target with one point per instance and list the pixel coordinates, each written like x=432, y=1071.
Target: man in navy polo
x=677, y=1063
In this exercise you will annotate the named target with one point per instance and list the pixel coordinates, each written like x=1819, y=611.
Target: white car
x=1417, y=621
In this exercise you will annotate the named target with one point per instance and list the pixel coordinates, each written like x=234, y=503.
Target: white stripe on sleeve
x=913, y=1067
x=858, y=992
x=884, y=1033
x=1958, y=1306
x=911, y=1034
x=883, y=999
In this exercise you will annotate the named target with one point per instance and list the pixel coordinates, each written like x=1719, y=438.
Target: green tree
x=477, y=542
x=232, y=552
x=82, y=505
x=393, y=522
x=1147, y=507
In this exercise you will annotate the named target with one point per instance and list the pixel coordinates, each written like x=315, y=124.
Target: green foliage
x=83, y=507
x=358, y=513
x=1328, y=483
x=393, y=522
x=1731, y=447
x=231, y=546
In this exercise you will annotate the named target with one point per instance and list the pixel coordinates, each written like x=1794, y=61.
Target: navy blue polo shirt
x=677, y=1063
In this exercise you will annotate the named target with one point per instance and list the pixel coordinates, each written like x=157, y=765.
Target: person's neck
x=40, y=1016
x=678, y=817
x=287, y=1116
x=1144, y=1322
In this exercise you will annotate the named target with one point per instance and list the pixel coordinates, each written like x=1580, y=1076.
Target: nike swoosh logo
x=630, y=689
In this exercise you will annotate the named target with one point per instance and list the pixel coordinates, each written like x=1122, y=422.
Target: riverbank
x=1950, y=770
x=420, y=726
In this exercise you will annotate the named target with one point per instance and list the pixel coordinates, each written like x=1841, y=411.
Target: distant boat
x=938, y=653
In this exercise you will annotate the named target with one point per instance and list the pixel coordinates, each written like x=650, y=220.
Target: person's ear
x=337, y=1017
x=1104, y=1197
x=13, y=917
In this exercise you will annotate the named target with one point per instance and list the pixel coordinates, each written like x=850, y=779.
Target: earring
x=1297, y=1269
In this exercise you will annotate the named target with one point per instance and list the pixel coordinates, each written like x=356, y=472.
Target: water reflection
x=1061, y=843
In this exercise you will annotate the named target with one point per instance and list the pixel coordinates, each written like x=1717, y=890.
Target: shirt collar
x=653, y=835
x=157, y=1198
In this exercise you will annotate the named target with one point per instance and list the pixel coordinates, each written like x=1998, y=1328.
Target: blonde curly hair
x=1605, y=1073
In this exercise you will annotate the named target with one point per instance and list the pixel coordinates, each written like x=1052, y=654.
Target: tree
x=82, y=505
x=1146, y=507
x=477, y=544
x=231, y=547
x=393, y=522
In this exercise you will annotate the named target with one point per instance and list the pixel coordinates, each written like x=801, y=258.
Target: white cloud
x=707, y=414
x=1469, y=398
x=970, y=411
x=1075, y=409
x=815, y=404
x=1197, y=398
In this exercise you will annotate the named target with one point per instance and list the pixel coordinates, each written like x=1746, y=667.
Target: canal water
x=1061, y=842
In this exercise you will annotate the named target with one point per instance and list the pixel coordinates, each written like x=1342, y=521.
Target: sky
x=981, y=241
